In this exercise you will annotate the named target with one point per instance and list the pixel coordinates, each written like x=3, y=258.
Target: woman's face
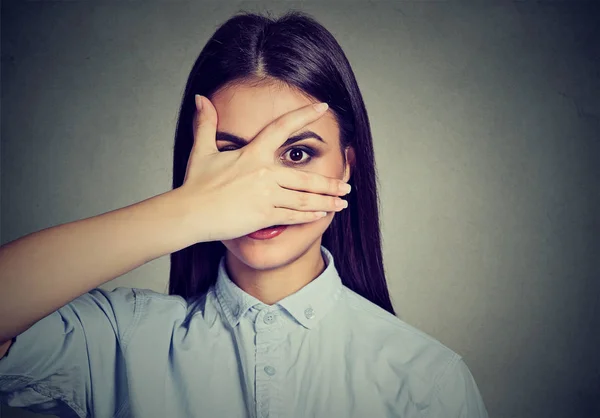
x=244, y=111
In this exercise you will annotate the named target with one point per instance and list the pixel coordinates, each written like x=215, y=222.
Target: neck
x=272, y=285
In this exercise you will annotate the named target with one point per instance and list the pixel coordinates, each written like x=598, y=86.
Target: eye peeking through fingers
x=298, y=155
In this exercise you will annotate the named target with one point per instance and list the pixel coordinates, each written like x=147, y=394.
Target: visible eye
x=295, y=155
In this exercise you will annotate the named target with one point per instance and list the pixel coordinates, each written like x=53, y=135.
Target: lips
x=268, y=233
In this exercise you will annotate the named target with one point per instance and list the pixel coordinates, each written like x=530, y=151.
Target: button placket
x=268, y=326
x=270, y=318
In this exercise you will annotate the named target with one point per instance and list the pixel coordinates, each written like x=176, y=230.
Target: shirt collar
x=308, y=305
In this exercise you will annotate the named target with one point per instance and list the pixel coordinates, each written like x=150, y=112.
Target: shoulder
x=409, y=362
x=127, y=308
x=160, y=305
x=383, y=327
x=124, y=303
x=174, y=310
x=406, y=360
x=161, y=299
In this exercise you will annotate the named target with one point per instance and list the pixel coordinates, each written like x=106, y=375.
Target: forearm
x=45, y=270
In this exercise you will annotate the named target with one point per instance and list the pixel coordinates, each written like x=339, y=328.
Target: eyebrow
x=226, y=136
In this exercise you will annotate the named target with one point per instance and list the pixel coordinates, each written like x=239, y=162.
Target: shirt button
x=269, y=318
x=309, y=313
x=270, y=370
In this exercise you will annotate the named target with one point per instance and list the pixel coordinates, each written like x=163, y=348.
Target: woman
x=275, y=309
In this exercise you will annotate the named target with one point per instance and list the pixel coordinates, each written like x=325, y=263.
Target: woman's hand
x=231, y=194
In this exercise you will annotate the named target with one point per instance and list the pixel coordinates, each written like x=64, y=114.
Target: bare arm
x=45, y=270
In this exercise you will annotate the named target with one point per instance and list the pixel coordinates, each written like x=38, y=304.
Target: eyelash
x=311, y=153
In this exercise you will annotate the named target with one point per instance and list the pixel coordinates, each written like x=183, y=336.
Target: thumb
x=204, y=127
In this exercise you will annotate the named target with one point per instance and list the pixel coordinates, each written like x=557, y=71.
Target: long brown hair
x=298, y=51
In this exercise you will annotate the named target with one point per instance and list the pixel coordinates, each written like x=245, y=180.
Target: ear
x=350, y=158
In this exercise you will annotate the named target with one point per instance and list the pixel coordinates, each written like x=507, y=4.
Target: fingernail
x=340, y=203
x=321, y=107
x=198, y=102
x=345, y=188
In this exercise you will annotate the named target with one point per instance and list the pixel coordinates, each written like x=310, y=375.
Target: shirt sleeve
x=70, y=363
x=457, y=394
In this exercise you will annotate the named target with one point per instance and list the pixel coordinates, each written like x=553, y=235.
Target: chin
x=279, y=251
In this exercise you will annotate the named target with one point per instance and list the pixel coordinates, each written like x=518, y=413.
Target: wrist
x=187, y=219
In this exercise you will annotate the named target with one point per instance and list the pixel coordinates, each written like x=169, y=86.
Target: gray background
x=486, y=122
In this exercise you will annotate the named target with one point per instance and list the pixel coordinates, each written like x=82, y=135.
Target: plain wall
x=486, y=125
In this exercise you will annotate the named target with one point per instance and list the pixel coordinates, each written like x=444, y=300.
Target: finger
x=291, y=217
x=204, y=127
x=302, y=201
x=277, y=132
x=310, y=182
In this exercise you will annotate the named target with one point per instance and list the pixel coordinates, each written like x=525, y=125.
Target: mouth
x=268, y=233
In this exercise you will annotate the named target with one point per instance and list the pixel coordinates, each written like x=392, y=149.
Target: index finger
x=277, y=132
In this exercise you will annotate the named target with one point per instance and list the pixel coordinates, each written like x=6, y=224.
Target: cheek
x=330, y=164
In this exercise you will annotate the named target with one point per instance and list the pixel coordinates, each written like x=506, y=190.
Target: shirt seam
x=163, y=296
x=139, y=305
x=449, y=364
x=138, y=308
x=452, y=361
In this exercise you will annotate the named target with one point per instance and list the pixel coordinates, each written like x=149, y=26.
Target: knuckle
x=304, y=178
x=291, y=217
x=334, y=185
x=332, y=201
x=281, y=124
x=303, y=200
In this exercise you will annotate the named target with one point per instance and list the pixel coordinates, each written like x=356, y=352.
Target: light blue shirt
x=324, y=351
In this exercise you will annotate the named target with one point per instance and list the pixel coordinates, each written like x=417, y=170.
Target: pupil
x=296, y=152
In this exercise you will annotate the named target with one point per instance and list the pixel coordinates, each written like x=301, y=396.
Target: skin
x=272, y=269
